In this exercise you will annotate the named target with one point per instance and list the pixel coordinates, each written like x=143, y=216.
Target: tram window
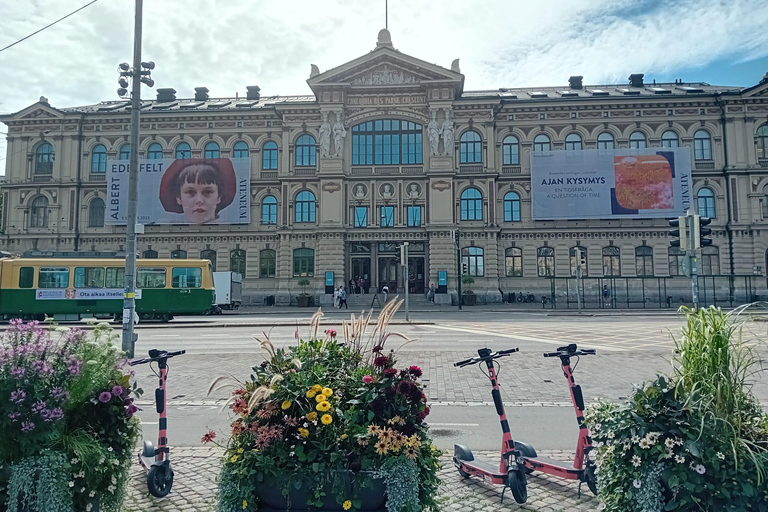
x=115, y=277
x=89, y=277
x=26, y=277
x=187, y=277
x=53, y=277
x=150, y=278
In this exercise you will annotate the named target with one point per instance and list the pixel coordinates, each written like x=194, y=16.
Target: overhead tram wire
x=49, y=25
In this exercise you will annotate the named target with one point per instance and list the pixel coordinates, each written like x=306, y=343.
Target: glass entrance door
x=416, y=275
x=388, y=273
x=361, y=268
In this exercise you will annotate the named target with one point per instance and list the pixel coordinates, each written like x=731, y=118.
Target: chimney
x=575, y=82
x=166, y=95
x=253, y=92
x=636, y=79
x=201, y=94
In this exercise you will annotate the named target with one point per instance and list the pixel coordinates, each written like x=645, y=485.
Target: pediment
x=38, y=110
x=760, y=89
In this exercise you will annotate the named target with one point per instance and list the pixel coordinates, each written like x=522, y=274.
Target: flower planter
x=5, y=475
x=270, y=493
x=304, y=300
x=469, y=299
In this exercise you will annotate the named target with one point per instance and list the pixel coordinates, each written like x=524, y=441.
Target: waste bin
x=269, y=300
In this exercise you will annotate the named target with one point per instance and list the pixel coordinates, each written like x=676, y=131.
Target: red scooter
x=159, y=472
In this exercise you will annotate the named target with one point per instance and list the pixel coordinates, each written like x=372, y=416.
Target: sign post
x=406, y=276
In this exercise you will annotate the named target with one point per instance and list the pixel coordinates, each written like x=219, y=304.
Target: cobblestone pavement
x=196, y=470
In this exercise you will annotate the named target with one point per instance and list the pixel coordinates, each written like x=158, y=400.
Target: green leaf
x=297, y=484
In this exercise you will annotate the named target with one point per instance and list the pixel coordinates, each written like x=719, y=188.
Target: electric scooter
x=159, y=472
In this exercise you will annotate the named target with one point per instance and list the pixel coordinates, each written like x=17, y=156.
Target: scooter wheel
x=591, y=478
x=463, y=473
x=518, y=484
x=160, y=481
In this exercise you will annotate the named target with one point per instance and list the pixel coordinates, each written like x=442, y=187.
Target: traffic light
x=679, y=235
x=456, y=237
x=464, y=269
x=704, y=232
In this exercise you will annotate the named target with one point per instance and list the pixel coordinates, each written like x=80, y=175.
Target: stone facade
x=363, y=210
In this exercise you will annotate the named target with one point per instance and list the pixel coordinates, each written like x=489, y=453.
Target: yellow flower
x=312, y=416
x=303, y=432
x=373, y=430
x=327, y=419
x=347, y=505
x=414, y=441
x=321, y=398
x=381, y=448
x=286, y=405
x=385, y=435
x=240, y=450
x=245, y=504
x=323, y=406
x=327, y=392
x=411, y=453
x=316, y=388
x=234, y=458
x=311, y=394
x=344, y=436
x=394, y=420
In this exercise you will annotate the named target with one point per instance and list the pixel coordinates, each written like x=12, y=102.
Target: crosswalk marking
x=524, y=338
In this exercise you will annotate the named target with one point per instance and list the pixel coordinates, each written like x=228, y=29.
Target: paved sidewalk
x=196, y=470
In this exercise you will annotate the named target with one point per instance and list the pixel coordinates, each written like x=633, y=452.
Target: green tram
x=73, y=288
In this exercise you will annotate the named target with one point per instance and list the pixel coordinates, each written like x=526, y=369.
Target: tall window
x=361, y=217
x=510, y=150
x=237, y=261
x=269, y=210
x=611, y=261
x=471, y=204
x=605, y=141
x=125, y=152
x=99, y=159
x=414, y=216
x=240, y=150
x=702, y=145
x=511, y=207
x=387, y=142
x=710, y=261
x=761, y=142
x=473, y=258
x=269, y=156
x=387, y=216
x=39, y=214
x=96, y=213
x=644, y=260
x=306, y=152
x=267, y=263
x=638, y=141
x=513, y=262
x=305, y=206
x=573, y=142
x=676, y=256
x=210, y=255
x=705, y=203
x=541, y=143
x=577, y=255
x=545, y=261
x=211, y=150
x=303, y=262
x=183, y=151
x=669, y=139
x=179, y=254
x=155, y=151
x=471, y=148
x=149, y=254
x=44, y=157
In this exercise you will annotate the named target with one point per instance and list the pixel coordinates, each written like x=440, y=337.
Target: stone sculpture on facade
x=386, y=191
x=414, y=191
x=360, y=191
x=447, y=131
x=325, y=136
x=339, y=132
x=433, y=133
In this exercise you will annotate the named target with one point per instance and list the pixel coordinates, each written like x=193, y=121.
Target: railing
x=304, y=171
x=97, y=177
x=511, y=169
x=42, y=177
x=471, y=168
x=763, y=162
x=362, y=171
x=413, y=170
x=705, y=166
x=269, y=175
x=387, y=170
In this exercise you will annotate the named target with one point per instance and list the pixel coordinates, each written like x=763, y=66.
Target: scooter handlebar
x=156, y=355
x=493, y=355
x=570, y=351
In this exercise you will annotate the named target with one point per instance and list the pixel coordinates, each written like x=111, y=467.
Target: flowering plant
x=321, y=413
x=66, y=408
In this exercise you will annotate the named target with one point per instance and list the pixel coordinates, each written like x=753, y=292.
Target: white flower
x=597, y=426
x=92, y=494
x=101, y=460
x=601, y=506
x=678, y=441
x=636, y=461
x=71, y=484
x=669, y=454
x=700, y=469
x=720, y=456
x=82, y=489
x=113, y=479
x=651, y=439
x=74, y=461
x=645, y=443
x=669, y=442
x=611, y=435
x=109, y=449
x=637, y=484
x=111, y=488
x=635, y=439
x=88, y=507
x=679, y=459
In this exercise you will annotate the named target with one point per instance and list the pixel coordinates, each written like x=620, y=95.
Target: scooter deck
x=553, y=466
x=483, y=469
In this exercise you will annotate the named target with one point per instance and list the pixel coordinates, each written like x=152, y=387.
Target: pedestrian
x=352, y=286
x=342, y=298
x=336, y=296
x=431, y=293
x=359, y=284
x=385, y=291
x=606, y=296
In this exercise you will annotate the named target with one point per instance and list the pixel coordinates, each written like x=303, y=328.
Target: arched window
x=44, y=157
x=611, y=261
x=710, y=261
x=545, y=261
x=211, y=150
x=179, y=254
x=577, y=256
x=305, y=206
x=237, y=261
x=267, y=263
x=210, y=255
x=510, y=149
x=705, y=203
x=474, y=260
x=638, y=141
x=96, y=213
x=183, y=151
x=702, y=145
x=605, y=141
x=125, y=152
x=269, y=156
x=39, y=214
x=669, y=139
x=155, y=151
x=471, y=204
x=513, y=262
x=149, y=254
x=269, y=210
x=306, y=152
x=765, y=206
x=675, y=257
x=471, y=148
x=99, y=159
x=511, y=207
x=761, y=142
x=644, y=260
x=303, y=262
x=541, y=143
x=573, y=142
x=387, y=142
x=240, y=150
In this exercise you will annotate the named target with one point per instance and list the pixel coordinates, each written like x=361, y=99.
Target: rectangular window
x=187, y=277
x=26, y=277
x=115, y=277
x=53, y=277
x=387, y=216
x=150, y=278
x=414, y=216
x=361, y=216
x=89, y=277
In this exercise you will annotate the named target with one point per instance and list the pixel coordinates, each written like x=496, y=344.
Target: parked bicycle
x=522, y=297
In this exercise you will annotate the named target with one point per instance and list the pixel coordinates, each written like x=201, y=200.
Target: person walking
x=336, y=296
x=606, y=296
x=431, y=293
x=385, y=291
x=343, y=298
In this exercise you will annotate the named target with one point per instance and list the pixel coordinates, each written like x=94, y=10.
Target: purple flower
x=18, y=396
x=105, y=397
x=27, y=426
x=18, y=372
x=59, y=393
x=54, y=414
x=74, y=365
x=117, y=390
x=131, y=410
x=13, y=416
x=38, y=407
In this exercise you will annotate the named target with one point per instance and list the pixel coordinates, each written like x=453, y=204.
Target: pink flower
x=415, y=371
x=390, y=372
x=105, y=397
x=367, y=379
x=208, y=437
x=381, y=361
x=117, y=390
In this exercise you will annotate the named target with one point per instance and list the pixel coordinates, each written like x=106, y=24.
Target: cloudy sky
x=226, y=45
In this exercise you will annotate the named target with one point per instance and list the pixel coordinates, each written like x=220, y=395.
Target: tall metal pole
x=407, y=280
x=458, y=265
x=578, y=285
x=129, y=303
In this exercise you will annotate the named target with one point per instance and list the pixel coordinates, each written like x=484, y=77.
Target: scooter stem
x=507, y=444
x=584, y=442
x=162, y=406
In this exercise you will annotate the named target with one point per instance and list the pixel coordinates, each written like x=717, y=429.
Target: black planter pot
x=304, y=300
x=270, y=493
x=469, y=299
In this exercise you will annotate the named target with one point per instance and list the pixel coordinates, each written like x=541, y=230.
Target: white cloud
x=226, y=45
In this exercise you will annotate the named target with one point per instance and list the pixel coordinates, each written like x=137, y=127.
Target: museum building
x=390, y=149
